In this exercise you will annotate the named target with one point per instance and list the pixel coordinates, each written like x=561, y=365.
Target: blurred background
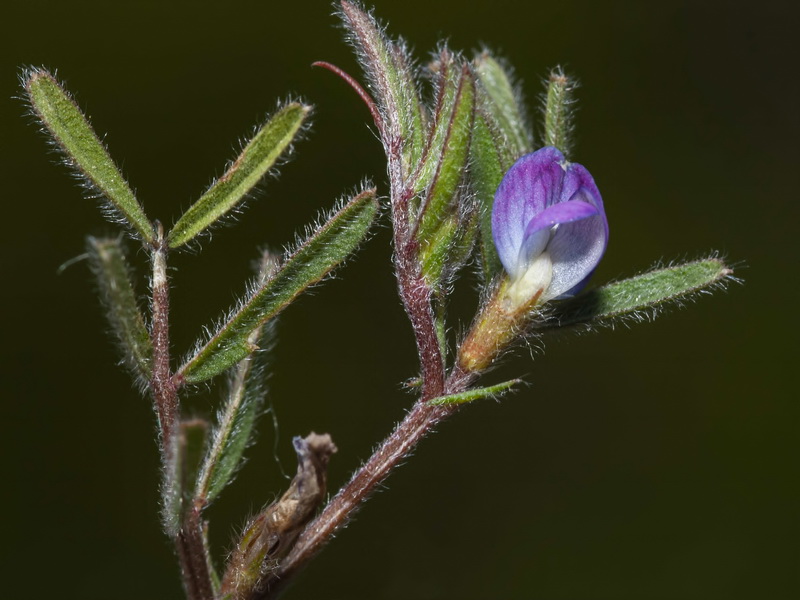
x=655, y=462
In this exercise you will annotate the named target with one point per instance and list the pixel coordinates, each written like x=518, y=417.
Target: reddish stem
x=362, y=93
x=165, y=397
x=189, y=540
x=190, y=544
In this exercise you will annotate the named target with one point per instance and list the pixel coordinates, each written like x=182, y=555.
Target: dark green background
x=656, y=462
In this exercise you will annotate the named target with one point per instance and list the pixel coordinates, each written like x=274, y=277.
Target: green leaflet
x=446, y=77
x=236, y=420
x=71, y=131
x=116, y=289
x=558, y=112
x=640, y=296
x=446, y=159
x=435, y=254
x=491, y=158
x=235, y=424
x=243, y=175
x=411, y=113
x=450, y=246
x=179, y=475
x=503, y=104
x=328, y=246
x=388, y=67
x=476, y=394
x=499, y=138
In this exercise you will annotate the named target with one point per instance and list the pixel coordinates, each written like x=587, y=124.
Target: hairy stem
x=414, y=291
x=190, y=544
x=416, y=296
x=189, y=539
x=165, y=395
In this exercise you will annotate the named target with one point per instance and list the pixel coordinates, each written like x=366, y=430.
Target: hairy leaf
x=476, y=394
x=257, y=158
x=490, y=159
x=558, y=110
x=107, y=259
x=72, y=133
x=328, y=246
x=502, y=101
x=639, y=297
x=446, y=159
x=236, y=420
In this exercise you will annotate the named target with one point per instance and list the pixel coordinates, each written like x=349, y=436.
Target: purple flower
x=549, y=226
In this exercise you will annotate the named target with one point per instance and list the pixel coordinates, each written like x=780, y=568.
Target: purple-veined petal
x=531, y=185
x=544, y=204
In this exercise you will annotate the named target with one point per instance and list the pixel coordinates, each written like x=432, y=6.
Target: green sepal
x=558, y=123
x=638, y=298
x=475, y=394
x=447, y=156
x=389, y=70
x=502, y=102
x=235, y=425
x=328, y=246
x=107, y=259
x=71, y=131
x=255, y=161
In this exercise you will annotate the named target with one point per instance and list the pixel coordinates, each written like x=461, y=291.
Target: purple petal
x=531, y=185
x=538, y=232
x=542, y=191
x=565, y=212
x=577, y=247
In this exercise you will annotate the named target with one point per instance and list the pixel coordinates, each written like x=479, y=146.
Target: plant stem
x=414, y=290
x=165, y=395
x=416, y=296
x=192, y=550
x=189, y=539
